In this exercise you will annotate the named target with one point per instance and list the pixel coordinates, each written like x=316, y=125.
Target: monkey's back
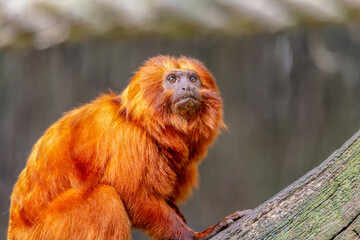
x=74, y=152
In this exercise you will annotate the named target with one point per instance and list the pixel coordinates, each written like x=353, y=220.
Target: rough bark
x=323, y=204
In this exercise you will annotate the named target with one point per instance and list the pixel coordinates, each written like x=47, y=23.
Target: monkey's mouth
x=185, y=99
x=186, y=104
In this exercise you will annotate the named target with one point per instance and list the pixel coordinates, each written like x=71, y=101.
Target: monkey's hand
x=226, y=222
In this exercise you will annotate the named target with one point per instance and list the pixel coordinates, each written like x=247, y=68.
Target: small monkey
x=121, y=161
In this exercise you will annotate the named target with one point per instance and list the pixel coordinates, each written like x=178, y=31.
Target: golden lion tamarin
x=121, y=161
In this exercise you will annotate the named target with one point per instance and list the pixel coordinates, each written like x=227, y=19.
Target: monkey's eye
x=171, y=79
x=193, y=79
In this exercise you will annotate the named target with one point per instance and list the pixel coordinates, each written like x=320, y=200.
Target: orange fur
x=117, y=163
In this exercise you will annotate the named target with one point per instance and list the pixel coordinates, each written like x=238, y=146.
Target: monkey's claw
x=226, y=222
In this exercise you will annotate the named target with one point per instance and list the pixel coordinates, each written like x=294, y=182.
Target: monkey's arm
x=158, y=219
x=173, y=205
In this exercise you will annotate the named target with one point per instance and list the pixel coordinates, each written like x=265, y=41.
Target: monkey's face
x=184, y=85
x=167, y=90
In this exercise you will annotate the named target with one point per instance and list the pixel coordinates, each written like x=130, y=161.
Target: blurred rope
x=44, y=23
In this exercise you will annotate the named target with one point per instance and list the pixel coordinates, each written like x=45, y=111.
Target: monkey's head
x=167, y=89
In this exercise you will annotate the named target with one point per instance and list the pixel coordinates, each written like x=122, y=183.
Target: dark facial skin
x=185, y=84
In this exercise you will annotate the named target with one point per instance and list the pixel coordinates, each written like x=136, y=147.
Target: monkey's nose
x=186, y=87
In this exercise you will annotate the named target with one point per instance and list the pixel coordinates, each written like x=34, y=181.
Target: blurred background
x=288, y=72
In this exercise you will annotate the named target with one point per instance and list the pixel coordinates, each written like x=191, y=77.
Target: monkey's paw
x=226, y=222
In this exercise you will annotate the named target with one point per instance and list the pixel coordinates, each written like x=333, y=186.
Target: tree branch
x=323, y=204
